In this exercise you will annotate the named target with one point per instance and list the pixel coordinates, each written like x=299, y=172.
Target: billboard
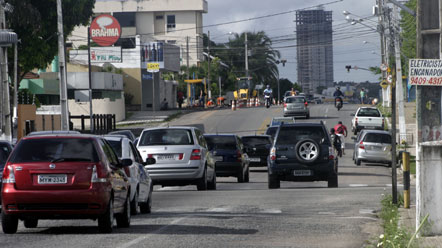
x=106, y=54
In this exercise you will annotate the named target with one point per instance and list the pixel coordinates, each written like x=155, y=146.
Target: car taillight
x=196, y=154
x=238, y=156
x=8, y=174
x=95, y=178
x=361, y=145
x=149, y=155
x=180, y=156
x=285, y=105
x=331, y=153
x=273, y=154
x=383, y=122
x=356, y=121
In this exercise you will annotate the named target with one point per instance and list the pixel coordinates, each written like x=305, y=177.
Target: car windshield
x=128, y=134
x=116, y=145
x=291, y=135
x=255, y=141
x=369, y=112
x=378, y=138
x=221, y=142
x=166, y=137
x=4, y=154
x=294, y=100
x=55, y=150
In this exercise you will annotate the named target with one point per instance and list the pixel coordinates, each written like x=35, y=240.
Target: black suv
x=302, y=152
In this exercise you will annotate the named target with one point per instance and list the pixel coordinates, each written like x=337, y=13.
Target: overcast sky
x=348, y=40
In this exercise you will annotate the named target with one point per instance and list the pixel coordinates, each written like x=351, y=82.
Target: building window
x=171, y=41
x=170, y=22
x=126, y=19
x=127, y=43
x=159, y=17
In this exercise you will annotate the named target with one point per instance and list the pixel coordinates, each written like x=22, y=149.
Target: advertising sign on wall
x=105, y=30
x=106, y=54
x=152, y=53
x=425, y=72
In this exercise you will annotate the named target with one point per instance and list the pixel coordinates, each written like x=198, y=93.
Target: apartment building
x=314, y=37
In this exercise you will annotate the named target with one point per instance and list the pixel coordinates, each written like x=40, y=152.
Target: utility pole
x=62, y=71
x=381, y=28
x=15, y=111
x=246, y=58
x=6, y=132
x=208, y=65
x=187, y=57
x=393, y=142
x=399, y=85
x=91, y=119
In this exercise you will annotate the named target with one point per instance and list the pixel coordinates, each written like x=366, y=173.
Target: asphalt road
x=302, y=214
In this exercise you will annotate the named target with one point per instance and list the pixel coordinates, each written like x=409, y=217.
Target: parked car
x=126, y=133
x=296, y=106
x=373, y=146
x=367, y=118
x=271, y=131
x=69, y=176
x=5, y=150
x=140, y=181
x=52, y=132
x=181, y=156
x=278, y=120
x=230, y=156
x=257, y=149
x=302, y=152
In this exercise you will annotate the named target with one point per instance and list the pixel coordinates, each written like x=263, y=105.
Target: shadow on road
x=362, y=174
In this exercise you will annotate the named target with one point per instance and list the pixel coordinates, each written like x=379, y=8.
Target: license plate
x=52, y=179
x=218, y=158
x=255, y=159
x=302, y=172
x=167, y=157
x=376, y=148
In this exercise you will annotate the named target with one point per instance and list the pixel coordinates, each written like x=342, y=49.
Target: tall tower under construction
x=314, y=38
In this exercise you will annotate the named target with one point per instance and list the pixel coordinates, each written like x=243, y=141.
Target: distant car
x=126, y=133
x=296, y=106
x=181, y=155
x=278, y=120
x=302, y=152
x=230, y=156
x=140, y=181
x=70, y=176
x=56, y=132
x=257, y=148
x=5, y=150
x=373, y=146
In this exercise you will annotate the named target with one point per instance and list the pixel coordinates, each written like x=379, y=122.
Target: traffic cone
x=256, y=102
x=233, y=105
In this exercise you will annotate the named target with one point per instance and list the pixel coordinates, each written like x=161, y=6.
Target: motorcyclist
x=336, y=142
x=268, y=91
x=338, y=94
x=341, y=132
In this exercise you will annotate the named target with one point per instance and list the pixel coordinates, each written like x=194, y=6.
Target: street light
x=282, y=61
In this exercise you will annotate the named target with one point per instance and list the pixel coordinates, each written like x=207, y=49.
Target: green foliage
x=408, y=35
x=24, y=96
x=35, y=23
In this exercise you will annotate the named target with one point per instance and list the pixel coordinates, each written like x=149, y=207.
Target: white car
x=140, y=182
x=367, y=118
x=181, y=154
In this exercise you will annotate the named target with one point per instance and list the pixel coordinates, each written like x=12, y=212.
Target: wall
x=25, y=112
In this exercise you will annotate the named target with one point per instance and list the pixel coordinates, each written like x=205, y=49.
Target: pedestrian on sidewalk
x=202, y=98
x=180, y=99
x=164, y=104
x=362, y=94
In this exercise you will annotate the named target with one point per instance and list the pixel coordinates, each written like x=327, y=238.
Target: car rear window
x=55, y=149
x=116, y=145
x=221, y=142
x=166, y=137
x=378, y=138
x=294, y=100
x=255, y=141
x=292, y=135
x=369, y=112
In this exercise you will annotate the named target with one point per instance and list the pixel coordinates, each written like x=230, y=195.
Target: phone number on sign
x=435, y=81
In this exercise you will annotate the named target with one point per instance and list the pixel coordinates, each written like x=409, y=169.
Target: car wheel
x=273, y=182
x=212, y=184
x=202, y=182
x=146, y=207
x=123, y=219
x=358, y=162
x=106, y=221
x=241, y=176
x=30, y=223
x=134, y=204
x=9, y=223
x=307, y=151
x=247, y=176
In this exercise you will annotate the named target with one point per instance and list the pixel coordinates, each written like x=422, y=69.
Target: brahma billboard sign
x=105, y=30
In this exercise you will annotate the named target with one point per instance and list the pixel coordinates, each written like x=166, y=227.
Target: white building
x=177, y=22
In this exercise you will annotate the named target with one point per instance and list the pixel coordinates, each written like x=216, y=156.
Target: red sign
x=105, y=30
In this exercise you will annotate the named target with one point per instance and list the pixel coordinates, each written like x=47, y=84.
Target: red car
x=65, y=177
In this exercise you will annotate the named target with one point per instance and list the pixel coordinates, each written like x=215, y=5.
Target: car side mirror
x=150, y=161
x=126, y=162
x=353, y=138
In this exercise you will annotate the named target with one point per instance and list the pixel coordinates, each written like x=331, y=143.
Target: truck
x=367, y=118
x=246, y=90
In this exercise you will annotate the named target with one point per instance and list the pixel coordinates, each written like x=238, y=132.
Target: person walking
x=180, y=99
x=341, y=132
x=362, y=94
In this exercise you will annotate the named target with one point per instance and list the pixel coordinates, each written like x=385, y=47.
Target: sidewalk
x=142, y=117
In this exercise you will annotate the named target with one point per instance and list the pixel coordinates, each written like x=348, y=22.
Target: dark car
x=257, y=148
x=126, y=133
x=271, y=131
x=5, y=150
x=229, y=155
x=65, y=177
x=302, y=152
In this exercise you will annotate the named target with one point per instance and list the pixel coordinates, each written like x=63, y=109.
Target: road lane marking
x=263, y=126
x=271, y=211
x=139, y=239
x=326, y=110
x=358, y=185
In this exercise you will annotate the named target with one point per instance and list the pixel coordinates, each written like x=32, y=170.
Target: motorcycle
x=267, y=100
x=338, y=103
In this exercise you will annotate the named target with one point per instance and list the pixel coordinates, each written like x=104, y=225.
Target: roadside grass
x=413, y=165
x=386, y=111
x=173, y=116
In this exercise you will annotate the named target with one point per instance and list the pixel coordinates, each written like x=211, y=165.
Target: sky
x=355, y=45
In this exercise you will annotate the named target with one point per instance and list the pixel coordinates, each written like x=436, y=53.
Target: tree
x=35, y=23
x=408, y=34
